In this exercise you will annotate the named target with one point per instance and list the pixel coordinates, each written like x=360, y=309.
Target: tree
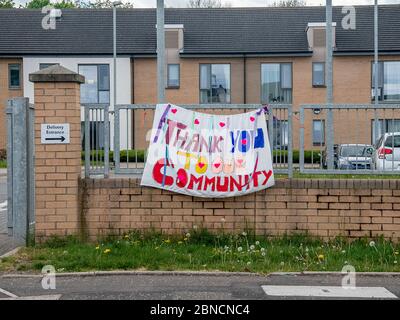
x=6, y=4
x=39, y=4
x=289, y=3
x=207, y=4
x=98, y=4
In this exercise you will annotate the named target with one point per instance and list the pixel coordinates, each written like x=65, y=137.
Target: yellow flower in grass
x=107, y=251
x=126, y=236
x=321, y=257
x=180, y=242
x=97, y=247
x=396, y=253
x=185, y=239
x=167, y=241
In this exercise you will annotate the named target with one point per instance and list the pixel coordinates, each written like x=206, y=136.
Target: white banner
x=207, y=155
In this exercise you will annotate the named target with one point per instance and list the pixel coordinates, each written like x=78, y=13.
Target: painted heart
x=252, y=119
x=201, y=165
x=217, y=165
x=239, y=161
x=244, y=141
x=174, y=111
x=196, y=121
x=222, y=124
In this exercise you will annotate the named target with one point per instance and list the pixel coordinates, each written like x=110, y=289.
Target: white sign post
x=55, y=133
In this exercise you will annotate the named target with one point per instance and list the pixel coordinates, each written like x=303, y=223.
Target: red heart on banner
x=244, y=141
x=201, y=165
x=252, y=119
x=174, y=111
x=196, y=121
x=222, y=124
x=239, y=161
x=217, y=165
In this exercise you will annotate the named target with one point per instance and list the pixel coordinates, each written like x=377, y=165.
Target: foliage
x=6, y=4
x=289, y=3
x=207, y=4
x=38, y=4
x=101, y=4
x=198, y=249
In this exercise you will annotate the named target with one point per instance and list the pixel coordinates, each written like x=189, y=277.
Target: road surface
x=165, y=286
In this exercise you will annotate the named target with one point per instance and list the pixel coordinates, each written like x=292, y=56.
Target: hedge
x=138, y=155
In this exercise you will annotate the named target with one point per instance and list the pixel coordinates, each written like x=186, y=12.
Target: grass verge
x=3, y=164
x=199, y=250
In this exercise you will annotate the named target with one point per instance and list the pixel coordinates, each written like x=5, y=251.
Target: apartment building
x=217, y=56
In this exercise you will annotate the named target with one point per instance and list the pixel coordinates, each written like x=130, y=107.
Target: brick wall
x=325, y=208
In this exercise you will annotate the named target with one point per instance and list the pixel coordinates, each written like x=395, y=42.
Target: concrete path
x=163, y=286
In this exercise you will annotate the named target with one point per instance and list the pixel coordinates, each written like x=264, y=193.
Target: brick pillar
x=57, y=166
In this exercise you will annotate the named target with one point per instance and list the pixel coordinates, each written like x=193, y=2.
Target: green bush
x=124, y=155
x=309, y=156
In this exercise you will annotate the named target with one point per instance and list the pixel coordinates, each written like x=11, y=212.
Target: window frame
x=319, y=144
x=381, y=90
x=280, y=85
x=10, y=66
x=169, y=86
x=313, y=75
x=50, y=64
x=98, y=80
x=230, y=81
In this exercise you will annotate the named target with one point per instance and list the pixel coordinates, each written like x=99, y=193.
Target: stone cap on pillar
x=56, y=73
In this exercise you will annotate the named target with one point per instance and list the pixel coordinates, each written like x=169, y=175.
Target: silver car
x=354, y=157
x=387, y=152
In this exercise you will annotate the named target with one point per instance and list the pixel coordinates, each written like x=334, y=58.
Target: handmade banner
x=207, y=155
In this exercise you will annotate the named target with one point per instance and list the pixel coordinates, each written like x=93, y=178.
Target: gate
x=20, y=169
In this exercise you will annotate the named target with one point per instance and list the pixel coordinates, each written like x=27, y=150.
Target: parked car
x=351, y=156
x=387, y=152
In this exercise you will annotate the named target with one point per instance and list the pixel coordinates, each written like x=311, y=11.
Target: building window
x=384, y=126
x=215, y=83
x=47, y=65
x=280, y=134
x=318, y=74
x=96, y=88
x=276, y=83
x=14, y=76
x=388, y=81
x=173, y=76
x=318, y=132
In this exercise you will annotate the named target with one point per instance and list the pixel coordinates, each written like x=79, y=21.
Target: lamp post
x=376, y=71
x=160, y=52
x=329, y=85
x=115, y=4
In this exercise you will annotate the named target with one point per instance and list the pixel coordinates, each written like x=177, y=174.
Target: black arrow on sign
x=62, y=139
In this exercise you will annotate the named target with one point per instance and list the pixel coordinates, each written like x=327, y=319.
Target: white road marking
x=46, y=297
x=7, y=293
x=329, y=292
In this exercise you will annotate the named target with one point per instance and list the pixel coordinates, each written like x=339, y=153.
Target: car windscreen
x=392, y=141
x=353, y=151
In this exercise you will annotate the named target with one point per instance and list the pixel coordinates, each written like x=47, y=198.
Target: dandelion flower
x=262, y=249
x=248, y=263
x=257, y=243
x=372, y=244
x=126, y=236
x=396, y=253
x=188, y=235
x=343, y=251
x=195, y=227
x=98, y=247
x=282, y=263
x=180, y=242
x=244, y=234
x=167, y=241
x=252, y=247
x=263, y=254
x=395, y=262
x=321, y=257
x=240, y=249
x=185, y=239
x=226, y=248
x=107, y=251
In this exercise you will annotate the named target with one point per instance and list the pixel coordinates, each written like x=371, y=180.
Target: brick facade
x=5, y=94
x=324, y=208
